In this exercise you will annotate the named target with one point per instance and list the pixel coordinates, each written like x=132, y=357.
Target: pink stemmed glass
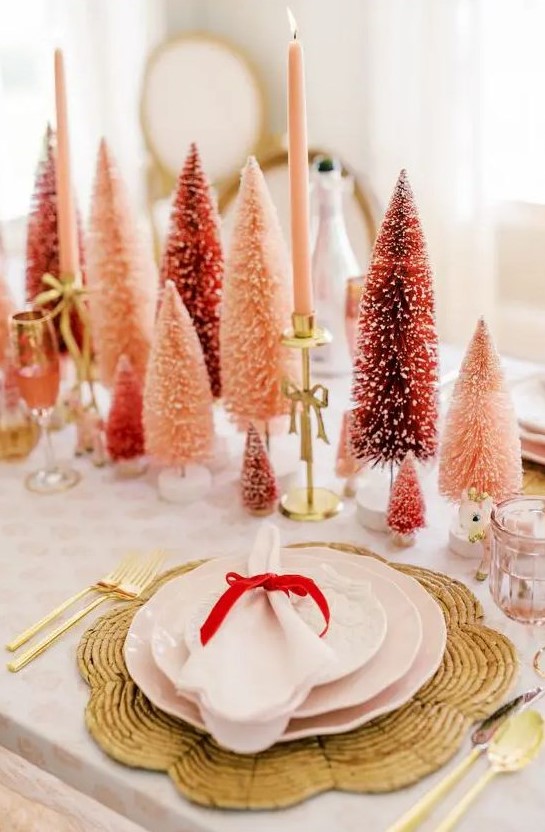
x=37, y=363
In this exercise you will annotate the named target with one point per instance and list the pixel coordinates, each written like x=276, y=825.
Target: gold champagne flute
x=37, y=363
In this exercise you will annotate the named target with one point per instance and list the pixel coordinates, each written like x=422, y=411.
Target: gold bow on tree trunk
x=69, y=296
x=314, y=399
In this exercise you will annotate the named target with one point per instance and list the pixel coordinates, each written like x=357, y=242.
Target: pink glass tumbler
x=517, y=568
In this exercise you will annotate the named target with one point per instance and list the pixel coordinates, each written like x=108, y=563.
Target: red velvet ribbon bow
x=238, y=585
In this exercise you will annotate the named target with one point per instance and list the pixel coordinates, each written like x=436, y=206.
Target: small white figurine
x=89, y=430
x=474, y=514
x=474, y=518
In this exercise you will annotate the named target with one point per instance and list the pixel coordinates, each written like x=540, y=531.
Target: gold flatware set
x=127, y=581
x=512, y=737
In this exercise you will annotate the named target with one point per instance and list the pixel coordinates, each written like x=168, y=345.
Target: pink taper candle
x=298, y=170
x=66, y=212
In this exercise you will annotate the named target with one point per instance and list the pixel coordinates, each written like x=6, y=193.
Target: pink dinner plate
x=393, y=690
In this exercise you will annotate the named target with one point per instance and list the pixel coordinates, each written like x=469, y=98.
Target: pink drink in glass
x=39, y=385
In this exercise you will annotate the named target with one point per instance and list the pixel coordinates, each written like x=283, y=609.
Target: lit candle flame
x=293, y=22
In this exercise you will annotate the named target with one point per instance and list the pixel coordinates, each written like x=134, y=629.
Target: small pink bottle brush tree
x=178, y=419
x=255, y=309
x=258, y=482
x=481, y=441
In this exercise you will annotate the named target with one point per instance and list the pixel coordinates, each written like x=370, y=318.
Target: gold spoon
x=513, y=747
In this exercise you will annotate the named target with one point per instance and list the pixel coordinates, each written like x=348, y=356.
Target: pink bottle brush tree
x=258, y=482
x=347, y=466
x=395, y=379
x=193, y=259
x=481, y=442
x=406, y=509
x=255, y=310
x=124, y=426
x=178, y=419
x=122, y=275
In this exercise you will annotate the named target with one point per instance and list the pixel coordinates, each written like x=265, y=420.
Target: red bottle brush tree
x=42, y=245
x=7, y=305
x=255, y=309
x=258, y=482
x=395, y=379
x=406, y=509
x=481, y=441
x=124, y=428
x=193, y=259
x=122, y=275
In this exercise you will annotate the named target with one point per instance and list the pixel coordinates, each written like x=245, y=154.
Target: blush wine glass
x=37, y=364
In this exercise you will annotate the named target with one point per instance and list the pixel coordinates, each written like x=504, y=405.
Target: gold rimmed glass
x=37, y=363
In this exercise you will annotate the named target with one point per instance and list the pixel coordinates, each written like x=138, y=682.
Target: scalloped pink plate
x=389, y=685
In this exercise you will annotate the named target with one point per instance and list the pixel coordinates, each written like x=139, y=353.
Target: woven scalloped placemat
x=478, y=669
x=534, y=478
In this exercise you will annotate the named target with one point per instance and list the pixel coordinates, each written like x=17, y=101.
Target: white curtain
x=393, y=84
x=106, y=43
x=424, y=74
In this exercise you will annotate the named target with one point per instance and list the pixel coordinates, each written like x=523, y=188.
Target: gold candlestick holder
x=309, y=502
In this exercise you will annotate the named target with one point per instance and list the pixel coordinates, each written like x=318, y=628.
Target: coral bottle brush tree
x=122, y=275
x=255, y=309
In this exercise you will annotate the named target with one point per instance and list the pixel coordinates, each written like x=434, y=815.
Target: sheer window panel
x=105, y=45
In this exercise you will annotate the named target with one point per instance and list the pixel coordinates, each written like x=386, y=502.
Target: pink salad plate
x=356, y=632
x=403, y=664
x=529, y=400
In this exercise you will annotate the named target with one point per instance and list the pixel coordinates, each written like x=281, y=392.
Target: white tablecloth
x=52, y=546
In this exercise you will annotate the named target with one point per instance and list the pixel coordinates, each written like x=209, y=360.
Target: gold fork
x=104, y=584
x=132, y=586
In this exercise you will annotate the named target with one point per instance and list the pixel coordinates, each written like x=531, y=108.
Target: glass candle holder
x=517, y=568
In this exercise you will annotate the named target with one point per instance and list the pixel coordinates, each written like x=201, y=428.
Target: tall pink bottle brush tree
x=395, y=380
x=193, y=259
x=122, y=275
x=178, y=419
x=255, y=309
x=481, y=441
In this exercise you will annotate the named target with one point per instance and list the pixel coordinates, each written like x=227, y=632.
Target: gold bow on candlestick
x=69, y=295
x=308, y=503
x=314, y=399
